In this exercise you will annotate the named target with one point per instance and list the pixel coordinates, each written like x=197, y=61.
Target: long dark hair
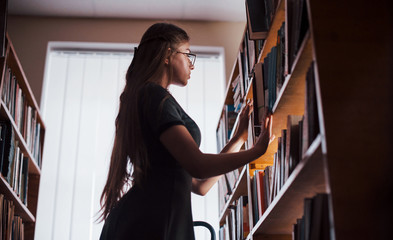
x=148, y=65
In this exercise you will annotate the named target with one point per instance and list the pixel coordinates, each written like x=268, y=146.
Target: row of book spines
x=19, y=174
x=226, y=185
x=24, y=115
x=298, y=26
x=245, y=63
x=236, y=224
x=279, y=61
x=225, y=126
x=11, y=226
x=260, y=193
x=314, y=224
x=238, y=93
x=269, y=75
x=14, y=164
x=286, y=159
x=289, y=151
x=268, y=182
x=292, y=145
x=259, y=17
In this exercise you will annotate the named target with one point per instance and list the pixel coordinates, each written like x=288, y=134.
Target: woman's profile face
x=181, y=65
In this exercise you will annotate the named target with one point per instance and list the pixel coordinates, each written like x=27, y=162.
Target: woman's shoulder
x=154, y=93
x=154, y=87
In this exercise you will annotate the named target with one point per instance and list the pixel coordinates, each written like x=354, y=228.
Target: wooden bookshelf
x=240, y=189
x=20, y=208
x=305, y=181
x=350, y=159
x=28, y=131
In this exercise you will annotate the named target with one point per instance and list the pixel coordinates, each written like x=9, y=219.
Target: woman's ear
x=169, y=53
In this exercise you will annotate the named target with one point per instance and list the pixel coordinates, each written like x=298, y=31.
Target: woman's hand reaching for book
x=266, y=136
x=241, y=132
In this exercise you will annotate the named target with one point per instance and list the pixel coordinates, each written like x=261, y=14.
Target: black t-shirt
x=160, y=208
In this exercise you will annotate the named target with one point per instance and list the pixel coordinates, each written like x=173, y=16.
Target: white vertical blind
x=79, y=106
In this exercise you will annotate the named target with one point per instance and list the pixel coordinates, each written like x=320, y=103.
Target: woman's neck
x=164, y=80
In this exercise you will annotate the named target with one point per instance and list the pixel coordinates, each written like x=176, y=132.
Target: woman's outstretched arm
x=200, y=165
x=202, y=186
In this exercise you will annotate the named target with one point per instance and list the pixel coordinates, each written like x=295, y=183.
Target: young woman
x=156, y=161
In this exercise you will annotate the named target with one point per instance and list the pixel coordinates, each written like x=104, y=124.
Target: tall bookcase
x=348, y=47
x=22, y=139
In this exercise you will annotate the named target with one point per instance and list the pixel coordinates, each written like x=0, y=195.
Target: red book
x=260, y=193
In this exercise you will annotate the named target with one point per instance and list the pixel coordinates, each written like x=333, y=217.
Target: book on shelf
x=8, y=150
x=251, y=133
x=229, y=182
x=258, y=47
x=230, y=119
x=244, y=67
x=282, y=68
x=220, y=133
x=3, y=134
x=293, y=144
x=281, y=154
x=314, y=224
x=222, y=193
x=267, y=181
x=311, y=120
x=11, y=225
x=256, y=19
x=231, y=221
x=258, y=94
x=236, y=222
x=24, y=180
x=259, y=17
x=273, y=69
x=260, y=192
x=276, y=174
x=223, y=132
x=297, y=27
x=239, y=218
x=238, y=93
x=14, y=165
x=307, y=217
x=272, y=80
x=245, y=219
x=271, y=7
x=260, y=182
x=254, y=199
x=251, y=50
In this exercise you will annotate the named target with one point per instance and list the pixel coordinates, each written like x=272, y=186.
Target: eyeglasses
x=191, y=57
